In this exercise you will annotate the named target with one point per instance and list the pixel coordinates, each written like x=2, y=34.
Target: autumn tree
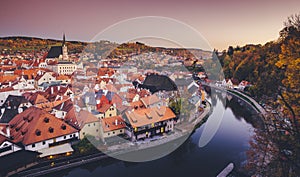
x=289, y=62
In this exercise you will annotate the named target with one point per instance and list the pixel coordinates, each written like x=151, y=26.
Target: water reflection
x=229, y=144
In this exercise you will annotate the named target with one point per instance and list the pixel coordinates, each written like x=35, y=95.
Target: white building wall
x=113, y=133
x=6, y=144
x=46, y=143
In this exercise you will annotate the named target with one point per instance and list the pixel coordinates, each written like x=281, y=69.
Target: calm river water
x=229, y=144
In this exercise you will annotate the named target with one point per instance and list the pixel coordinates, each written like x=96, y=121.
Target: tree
x=289, y=63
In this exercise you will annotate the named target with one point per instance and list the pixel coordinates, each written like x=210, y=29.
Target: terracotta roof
x=3, y=139
x=149, y=100
x=36, y=125
x=36, y=98
x=62, y=77
x=7, y=89
x=119, y=86
x=104, y=108
x=50, y=105
x=83, y=117
x=8, y=78
x=65, y=106
x=30, y=73
x=111, y=88
x=109, y=124
x=117, y=100
x=136, y=104
x=3, y=127
x=103, y=71
x=144, y=93
x=127, y=96
x=141, y=117
x=71, y=119
x=103, y=101
x=57, y=90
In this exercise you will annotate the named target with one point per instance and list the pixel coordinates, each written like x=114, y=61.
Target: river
x=229, y=143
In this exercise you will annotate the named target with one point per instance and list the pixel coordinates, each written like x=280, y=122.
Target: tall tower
x=64, y=49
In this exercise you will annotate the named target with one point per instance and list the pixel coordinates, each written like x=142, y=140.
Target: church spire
x=64, y=39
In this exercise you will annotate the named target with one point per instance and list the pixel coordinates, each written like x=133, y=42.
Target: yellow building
x=112, y=126
x=64, y=67
x=88, y=124
x=107, y=110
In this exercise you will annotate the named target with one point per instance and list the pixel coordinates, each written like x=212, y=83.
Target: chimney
x=87, y=99
x=7, y=131
x=20, y=110
x=98, y=101
x=58, y=88
x=52, y=90
x=9, y=84
x=116, y=122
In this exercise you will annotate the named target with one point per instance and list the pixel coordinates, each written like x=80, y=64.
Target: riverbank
x=247, y=99
x=181, y=133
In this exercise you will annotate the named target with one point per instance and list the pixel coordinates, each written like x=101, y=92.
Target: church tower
x=64, y=49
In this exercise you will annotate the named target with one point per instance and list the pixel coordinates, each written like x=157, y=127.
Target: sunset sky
x=222, y=23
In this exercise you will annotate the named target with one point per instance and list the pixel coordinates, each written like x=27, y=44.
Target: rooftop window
x=46, y=120
x=51, y=130
x=38, y=132
x=63, y=126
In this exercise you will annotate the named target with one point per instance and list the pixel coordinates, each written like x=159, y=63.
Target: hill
x=273, y=68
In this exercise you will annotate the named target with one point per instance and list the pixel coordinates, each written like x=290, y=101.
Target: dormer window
x=23, y=132
x=38, y=132
x=46, y=120
x=63, y=126
x=51, y=130
x=30, y=119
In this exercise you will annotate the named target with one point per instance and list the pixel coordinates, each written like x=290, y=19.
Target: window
x=65, y=137
x=5, y=144
x=108, y=134
x=96, y=130
x=94, y=124
x=121, y=131
x=83, y=133
x=113, y=132
x=33, y=145
x=44, y=142
x=110, y=115
x=71, y=136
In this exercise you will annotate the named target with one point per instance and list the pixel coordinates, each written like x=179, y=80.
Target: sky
x=221, y=23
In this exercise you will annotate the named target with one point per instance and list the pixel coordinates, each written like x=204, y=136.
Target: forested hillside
x=273, y=68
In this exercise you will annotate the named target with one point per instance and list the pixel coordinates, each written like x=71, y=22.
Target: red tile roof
x=36, y=125
x=104, y=108
x=147, y=116
x=65, y=106
x=62, y=77
x=35, y=98
x=83, y=117
x=3, y=139
x=109, y=124
x=111, y=88
x=149, y=100
x=71, y=119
